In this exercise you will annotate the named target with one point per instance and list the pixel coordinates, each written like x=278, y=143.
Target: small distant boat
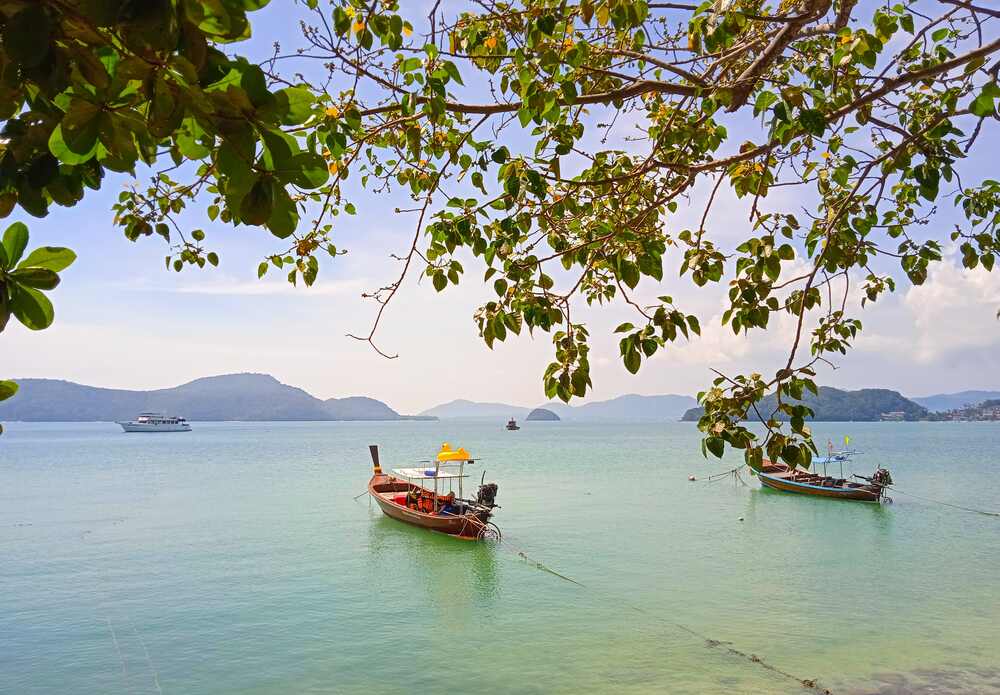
x=403, y=496
x=779, y=476
x=156, y=422
x=512, y=424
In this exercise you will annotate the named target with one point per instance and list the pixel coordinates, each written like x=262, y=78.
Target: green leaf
x=632, y=360
x=982, y=106
x=39, y=278
x=257, y=205
x=279, y=151
x=31, y=307
x=7, y=389
x=716, y=445
x=311, y=170
x=763, y=101
x=54, y=258
x=80, y=127
x=297, y=104
x=14, y=241
x=452, y=71
x=4, y=304
x=630, y=274
x=63, y=152
x=812, y=121
x=284, y=216
x=440, y=281
x=26, y=36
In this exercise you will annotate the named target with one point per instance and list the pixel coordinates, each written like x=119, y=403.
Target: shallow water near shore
x=232, y=559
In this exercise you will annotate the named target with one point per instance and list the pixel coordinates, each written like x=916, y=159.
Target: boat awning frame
x=426, y=474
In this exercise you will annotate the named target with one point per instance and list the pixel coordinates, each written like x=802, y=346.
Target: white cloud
x=228, y=286
x=954, y=309
x=281, y=287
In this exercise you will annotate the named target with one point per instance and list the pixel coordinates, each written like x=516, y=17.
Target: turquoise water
x=233, y=560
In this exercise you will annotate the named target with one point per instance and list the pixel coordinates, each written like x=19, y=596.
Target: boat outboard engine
x=487, y=495
x=882, y=478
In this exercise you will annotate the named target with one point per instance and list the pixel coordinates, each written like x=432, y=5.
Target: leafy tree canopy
x=496, y=119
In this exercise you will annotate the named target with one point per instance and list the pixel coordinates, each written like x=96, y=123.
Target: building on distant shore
x=986, y=411
x=893, y=416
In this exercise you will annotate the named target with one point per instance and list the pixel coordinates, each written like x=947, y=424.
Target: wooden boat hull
x=384, y=489
x=778, y=476
x=856, y=494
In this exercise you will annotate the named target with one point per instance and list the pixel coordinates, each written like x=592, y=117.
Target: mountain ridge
x=838, y=405
x=940, y=402
x=242, y=397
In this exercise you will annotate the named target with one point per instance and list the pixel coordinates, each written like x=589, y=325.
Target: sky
x=124, y=321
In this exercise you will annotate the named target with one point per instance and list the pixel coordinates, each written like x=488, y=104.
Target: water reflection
x=450, y=571
x=767, y=500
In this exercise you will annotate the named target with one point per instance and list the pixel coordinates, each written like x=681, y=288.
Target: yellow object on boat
x=448, y=454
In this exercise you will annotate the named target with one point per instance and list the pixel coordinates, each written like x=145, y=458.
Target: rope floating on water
x=152, y=669
x=121, y=657
x=947, y=504
x=538, y=565
x=709, y=642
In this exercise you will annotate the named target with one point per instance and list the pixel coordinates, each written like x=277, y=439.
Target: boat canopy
x=427, y=474
x=448, y=454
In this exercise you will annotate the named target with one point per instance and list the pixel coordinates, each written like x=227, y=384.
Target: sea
x=246, y=558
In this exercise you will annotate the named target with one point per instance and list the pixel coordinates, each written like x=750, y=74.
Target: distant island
x=664, y=408
x=542, y=415
x=835, y=405
x=251, y=397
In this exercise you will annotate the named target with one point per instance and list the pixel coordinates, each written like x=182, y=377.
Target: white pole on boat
x=437, y=469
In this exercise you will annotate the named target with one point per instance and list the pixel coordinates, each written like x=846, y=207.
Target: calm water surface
x=232, y=559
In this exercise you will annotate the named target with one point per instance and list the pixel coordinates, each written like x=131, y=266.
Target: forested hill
x=225, y=397
x=835, y=405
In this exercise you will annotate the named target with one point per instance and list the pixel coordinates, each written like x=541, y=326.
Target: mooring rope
x=121, y=657
x=984, y=512
x=709, y=642
x=152, y=669
x=715, y=477
x=538, y=565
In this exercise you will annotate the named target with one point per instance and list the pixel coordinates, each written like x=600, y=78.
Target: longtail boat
x=403, y=496
x=779, y=476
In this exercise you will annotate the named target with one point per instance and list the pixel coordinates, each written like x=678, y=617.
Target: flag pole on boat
x=847, y=442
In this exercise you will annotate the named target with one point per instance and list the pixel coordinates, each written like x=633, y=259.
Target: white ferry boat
x=156, y=422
